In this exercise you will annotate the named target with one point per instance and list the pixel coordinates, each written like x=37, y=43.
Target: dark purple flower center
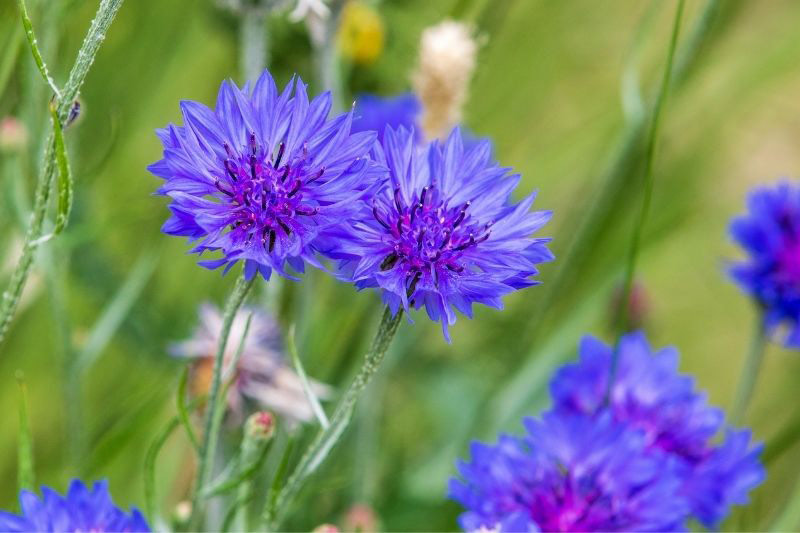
x=429, y=235
x=265, y=192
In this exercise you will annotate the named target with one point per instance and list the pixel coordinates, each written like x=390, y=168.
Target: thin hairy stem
x=91, y=44
x=327, y=437
x=212, y=419
x=750, y=371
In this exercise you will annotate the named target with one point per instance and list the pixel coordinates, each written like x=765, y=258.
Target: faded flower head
x=263, y=177
x=81, y=509
x=651, y=396
x=447, y=59
x=441, y=232
x=570, y=472
x=770, y=234
x=262, y=374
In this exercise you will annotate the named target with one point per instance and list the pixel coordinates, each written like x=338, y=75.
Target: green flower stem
x=652, y=138
x=253, y=43
x=327, y=438
x=212, y=418
x=327, y=59
x=91, y=44
x=750, y=371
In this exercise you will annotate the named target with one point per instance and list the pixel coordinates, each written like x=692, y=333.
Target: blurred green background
x=547, y=91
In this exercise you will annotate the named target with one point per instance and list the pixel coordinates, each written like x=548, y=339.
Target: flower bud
x=446, y=62
x=260, y=426
x=13, y=135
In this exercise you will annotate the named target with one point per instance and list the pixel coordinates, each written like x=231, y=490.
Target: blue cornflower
x=81, y=509
x=770, y=234
x=649, y=395
x=571, y=472
x=441, y=232
x=264, y=176
x=373, y=113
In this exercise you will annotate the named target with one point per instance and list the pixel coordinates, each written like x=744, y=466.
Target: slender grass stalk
x=183, y=411
x=327, y=438
x=253, y=42
x=152, y=455
x=301, y=372
x=25, y=475
x=212, y=419
x=750, y=371
x=91, y=44
x=652, y=138
x=590, y=219
x=327, y=59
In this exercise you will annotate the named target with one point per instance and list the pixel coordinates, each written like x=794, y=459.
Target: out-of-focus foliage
x=546, y=90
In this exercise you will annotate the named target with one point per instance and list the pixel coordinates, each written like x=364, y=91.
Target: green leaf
x=116, y=311
x=183, y=411
x=64, y=174
x=312, y=398
x=37, y=55
x=152, y=455
x=25, y=449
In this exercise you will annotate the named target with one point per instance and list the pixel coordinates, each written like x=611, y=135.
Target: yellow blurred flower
x=361, y=33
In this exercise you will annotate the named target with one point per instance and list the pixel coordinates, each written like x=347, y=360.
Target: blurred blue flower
x=570, y=473
x=264, y=176
x=373, y=113
x=81, y=509
x=770, y=234
x=441, y=232
x=650, y=395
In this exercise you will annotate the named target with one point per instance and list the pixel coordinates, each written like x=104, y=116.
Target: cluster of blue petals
x=264, y=176
x=374, y=113
x=81, y=509
x=441, y=231
x=770, y=234
x=672, y=423
x=569, y=473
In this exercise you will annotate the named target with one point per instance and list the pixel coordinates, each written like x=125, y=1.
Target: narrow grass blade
x=277, y=481
x=312, y=398
x=152, y=455
x=10, y=52
x=37, y=55
x=183, y=411
x=116, y=311
x=64, y=174
x=25, y=450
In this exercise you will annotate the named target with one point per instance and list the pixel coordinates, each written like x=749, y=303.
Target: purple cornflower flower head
x=770, y=234
x=373, y=113
x=263, y=177
x=571, y=472
x=441, y=232
x=262, y=374
x=81, y=509
x=650, y=395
